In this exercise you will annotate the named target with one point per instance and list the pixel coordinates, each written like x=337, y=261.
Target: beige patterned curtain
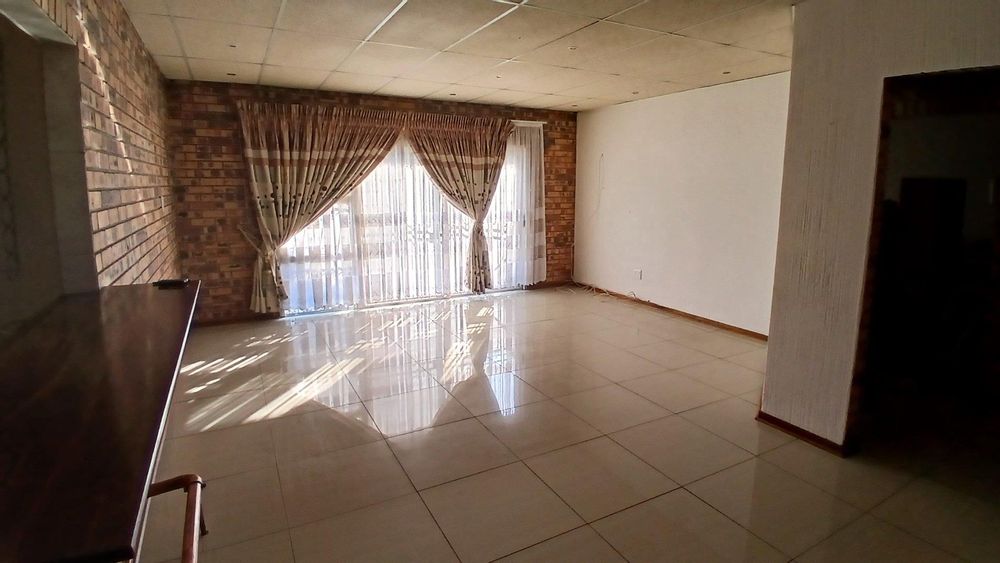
x=464, y=155
x=302, y=159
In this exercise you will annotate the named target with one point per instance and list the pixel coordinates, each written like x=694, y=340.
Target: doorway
x=928, y=376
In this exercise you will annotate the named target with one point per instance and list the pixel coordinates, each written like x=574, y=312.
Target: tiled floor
x=550, y=425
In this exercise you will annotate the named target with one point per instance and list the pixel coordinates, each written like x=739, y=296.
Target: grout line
x=913, y=476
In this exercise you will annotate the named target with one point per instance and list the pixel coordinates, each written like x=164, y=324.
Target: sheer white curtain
x=395, y=238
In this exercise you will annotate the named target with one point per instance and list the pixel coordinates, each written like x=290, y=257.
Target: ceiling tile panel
x=778, y=42
x=384, y=60
x=158, y=34
x=351, y=82
x=505, y=97
x=645, y=59
x=513, y=75
x=624, y=89
x=768, y=64
x=583, y=104
x=174, y=68
x=672, y=15
x=744, y=24
x=246, y=12
x=204, y=39
x=303, y=50
x=709, y=60
x=592, y=8
x=451, y=67
x=521, y=31
x=291, y=77
x=560, y=79
x=460, y=93
x=224, y=71
x=548, y=101
x=409, y=88
x=566, y=58
x=437, y=24
x=602, y=39
x=350, y=19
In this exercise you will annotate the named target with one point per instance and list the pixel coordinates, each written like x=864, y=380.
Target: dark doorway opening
x=928, y=378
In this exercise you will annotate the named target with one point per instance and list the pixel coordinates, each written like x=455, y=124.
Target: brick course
x=123, y=108
x=212, y=192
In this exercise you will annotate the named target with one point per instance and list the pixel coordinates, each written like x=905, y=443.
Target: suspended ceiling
x=570, y=55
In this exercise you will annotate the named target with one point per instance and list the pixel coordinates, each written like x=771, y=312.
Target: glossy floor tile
x=581, y=544
x=870, y=539
x=497, y=512
x=776, y=506
x=549, y=425
x=397, y=530
x=599, y=477
x=538, y=428
x=448, y=452
x=680, y=527
x=680, y=449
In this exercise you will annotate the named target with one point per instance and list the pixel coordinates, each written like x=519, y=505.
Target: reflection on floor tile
x=735, y=420
x=858, y=480
x=416, y=410
x=322, y=431
x=444, y=453
x=486, y=394
x=497, y=426
x=537, y=428
x=870, y=539
x=776, y=506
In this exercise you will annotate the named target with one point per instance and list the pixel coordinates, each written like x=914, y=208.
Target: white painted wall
x=843, y=51
x=686, y=187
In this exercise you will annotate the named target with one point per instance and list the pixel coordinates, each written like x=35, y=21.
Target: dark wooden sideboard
x=84, y=394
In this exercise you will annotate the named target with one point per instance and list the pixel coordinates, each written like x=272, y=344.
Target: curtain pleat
x=398, y=227
x=464, y=156
x=302, y=159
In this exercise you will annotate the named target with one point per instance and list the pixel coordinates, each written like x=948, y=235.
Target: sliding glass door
x=397, y=239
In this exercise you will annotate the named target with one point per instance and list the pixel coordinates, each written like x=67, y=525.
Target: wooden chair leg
x=194, y=518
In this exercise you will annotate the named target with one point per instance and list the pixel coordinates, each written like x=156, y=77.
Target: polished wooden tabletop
x=84, y=392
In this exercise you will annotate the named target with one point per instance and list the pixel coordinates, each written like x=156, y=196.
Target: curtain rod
x=521, y=123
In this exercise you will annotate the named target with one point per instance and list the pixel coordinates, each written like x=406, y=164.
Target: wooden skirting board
x=717, y=324
x=804, y=435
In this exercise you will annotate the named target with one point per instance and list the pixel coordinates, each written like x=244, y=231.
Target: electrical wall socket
x=638, y=273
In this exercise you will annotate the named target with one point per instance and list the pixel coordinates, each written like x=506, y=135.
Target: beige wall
x=843, y=51
x=35, y=281
x=686, y=188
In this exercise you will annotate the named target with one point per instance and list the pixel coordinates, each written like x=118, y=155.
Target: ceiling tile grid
x=572, y=55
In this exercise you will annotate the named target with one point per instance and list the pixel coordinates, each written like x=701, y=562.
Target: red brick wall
x=212, y=190
x=123, y=108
